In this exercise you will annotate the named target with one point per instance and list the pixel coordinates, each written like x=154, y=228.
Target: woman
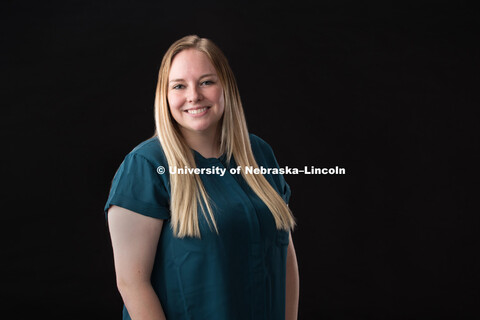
x=214, y=245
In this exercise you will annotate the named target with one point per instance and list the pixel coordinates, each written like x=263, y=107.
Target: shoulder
x=142, y=164
x=262, y=151
x=150, y=150
x=258, y=144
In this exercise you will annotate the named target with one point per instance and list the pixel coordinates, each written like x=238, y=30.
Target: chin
x=199, y=128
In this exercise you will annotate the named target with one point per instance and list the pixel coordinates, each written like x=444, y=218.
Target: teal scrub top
x=238, y=273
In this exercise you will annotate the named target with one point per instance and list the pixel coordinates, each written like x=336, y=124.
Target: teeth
x=196, y=111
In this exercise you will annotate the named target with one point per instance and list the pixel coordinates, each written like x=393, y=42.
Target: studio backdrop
x=370, y=102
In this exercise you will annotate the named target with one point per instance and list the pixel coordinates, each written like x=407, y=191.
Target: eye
x=178, y=86
x=207, y=83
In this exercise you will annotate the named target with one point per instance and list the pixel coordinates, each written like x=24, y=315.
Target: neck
x=205, y=143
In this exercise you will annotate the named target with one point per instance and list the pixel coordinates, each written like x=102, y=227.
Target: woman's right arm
x=134, y=241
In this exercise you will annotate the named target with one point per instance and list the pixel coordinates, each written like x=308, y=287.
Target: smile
x=197, y=110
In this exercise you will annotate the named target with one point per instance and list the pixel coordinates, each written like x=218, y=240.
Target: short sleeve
x=138, y=187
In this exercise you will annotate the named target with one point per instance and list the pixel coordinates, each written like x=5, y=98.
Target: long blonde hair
x=187, y=190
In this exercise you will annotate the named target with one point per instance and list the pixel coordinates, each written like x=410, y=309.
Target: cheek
x=174, y=102
x=221, y=99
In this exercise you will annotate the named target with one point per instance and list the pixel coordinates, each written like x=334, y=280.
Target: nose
x=194, y=94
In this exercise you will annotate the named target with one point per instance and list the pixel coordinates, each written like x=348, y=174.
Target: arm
x=292, y=284
x=134, y=241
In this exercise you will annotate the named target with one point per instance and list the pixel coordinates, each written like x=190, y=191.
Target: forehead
x=190, y=63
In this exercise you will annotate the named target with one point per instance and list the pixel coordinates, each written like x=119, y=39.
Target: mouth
x=197, y=110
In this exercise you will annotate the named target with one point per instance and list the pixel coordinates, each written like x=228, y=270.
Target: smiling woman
x=204, y=244
x=195, y=97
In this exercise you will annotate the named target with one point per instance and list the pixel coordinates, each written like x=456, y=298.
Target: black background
x=385, y=89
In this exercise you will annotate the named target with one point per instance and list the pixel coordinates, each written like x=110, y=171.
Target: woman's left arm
x=292, y=283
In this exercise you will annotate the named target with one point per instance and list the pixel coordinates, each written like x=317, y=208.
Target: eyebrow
x=203, y=76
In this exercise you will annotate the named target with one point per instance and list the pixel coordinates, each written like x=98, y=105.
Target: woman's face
x=195, y=95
